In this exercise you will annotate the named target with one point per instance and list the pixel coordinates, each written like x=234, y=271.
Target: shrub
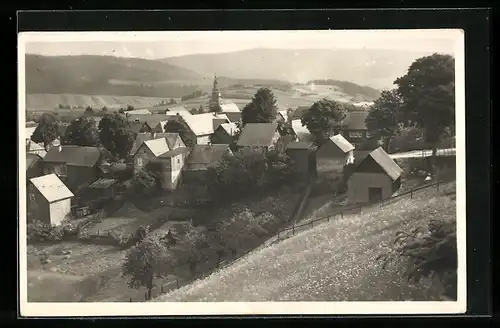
x=38, y=231
x=428, y=252
x=122, y=238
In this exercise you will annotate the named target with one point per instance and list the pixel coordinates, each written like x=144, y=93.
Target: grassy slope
x=334, y=261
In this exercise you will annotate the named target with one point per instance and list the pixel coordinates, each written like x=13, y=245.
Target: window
x=139, y=162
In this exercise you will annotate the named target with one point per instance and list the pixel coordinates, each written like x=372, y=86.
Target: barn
x=375, y=178
x=49, y=200
x=334, y=154
x=303, y=156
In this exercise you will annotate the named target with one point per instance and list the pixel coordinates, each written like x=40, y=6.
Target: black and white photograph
x=242, y=172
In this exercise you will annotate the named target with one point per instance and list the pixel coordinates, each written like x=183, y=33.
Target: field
x=334, y=261
x=299, y=95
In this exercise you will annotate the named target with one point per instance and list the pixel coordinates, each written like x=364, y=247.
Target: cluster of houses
x=57, y=173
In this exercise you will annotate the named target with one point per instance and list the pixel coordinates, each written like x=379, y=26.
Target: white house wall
x=59, y=211
x=203, y=140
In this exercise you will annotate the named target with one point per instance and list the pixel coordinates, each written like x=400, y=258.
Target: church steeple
x=215, y=100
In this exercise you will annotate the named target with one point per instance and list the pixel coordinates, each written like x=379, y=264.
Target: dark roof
x=135, y=126
x=233, y=116
x=207, y=154
x=171, y=138
x=139, y=139
x=102, y=183
x=175, y=152
x=31, y=159
x=299, y=111
x=355, y=120
x=300, y=145
x=257, y=134
x=73, y=155
x=155, y=119
x=385, y=162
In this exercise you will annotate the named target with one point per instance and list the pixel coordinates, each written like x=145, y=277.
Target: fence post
x=145, y=296
x=437, y=185
x=312, y=223
x=278, y=236
x=131, y=299
x=327, y=219
x=411, y=193
x=293, y=228
x=177, y=281
x=342, y=214
x=161, y=289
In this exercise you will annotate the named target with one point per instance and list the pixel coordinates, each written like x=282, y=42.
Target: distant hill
x=107, y=75
x=375, y=68
x=350, y=88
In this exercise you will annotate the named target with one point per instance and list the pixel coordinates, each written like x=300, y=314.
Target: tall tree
x=82, y=132
x=322, y=117
x=115, y=135
x=428, y=94
x=382, y=120
x=47, y=130
x=183, y=130
x=146, y=262
x=262, y=108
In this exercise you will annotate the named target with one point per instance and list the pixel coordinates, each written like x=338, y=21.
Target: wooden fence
x=280, y=236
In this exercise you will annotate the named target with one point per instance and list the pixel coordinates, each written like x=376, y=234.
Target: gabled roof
x=257, y=134
x=157, y=146
x=31, y=159
x=342, y=143
x=386, y=163
x=283, y=114
x=138, y=117
x=139, y=139
x=154, y=120
x=233, y=116
x=33, y=146
x=299, y=111
x=207, y=154
x=73, y=155
x=200, y=124
x=301, y=132
x=171, y=138
x=51, y=187
x=176, y=109
x=139, y=112
x=355, y=120
x=300, y=145
x=219, y=119
x=29, y=131
x=230, y=128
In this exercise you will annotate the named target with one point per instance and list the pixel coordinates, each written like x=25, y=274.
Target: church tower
x=215, y=100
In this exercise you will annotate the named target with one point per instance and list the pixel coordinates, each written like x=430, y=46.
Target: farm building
x=219, y=119
x=201, y=126
x=301, y=132
x=203, y=157
x=228, y=106
x=29, y=131
x=173, y=140
x=375, y=178
x=259, y=135
x=33, y=166
x=334, y=154
x=225, y=134
x=154, y=124
x=299, y=111
x=49, y=200
x=303, y=155
x=167, y=157
x=75, y=165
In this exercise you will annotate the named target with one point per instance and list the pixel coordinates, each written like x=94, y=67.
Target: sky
x=155, y=45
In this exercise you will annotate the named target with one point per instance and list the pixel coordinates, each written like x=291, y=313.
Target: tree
x=44, y=258
x=428, y=94
x=82, y=132
x=382, y=119
x=115, y=135
x=146, y=262
x=262, y=108
x=121, y=111
x=130, y=107
x=104, y=109
x=180, y=127
x=192, y=249
x=172, y=101
x=89, y=110
x=144, y=183
x=47, y=130
x=322, y=117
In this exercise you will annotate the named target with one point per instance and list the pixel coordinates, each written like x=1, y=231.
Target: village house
x=300, y=132
x=173, y=140
x=228, y=106
x=299, y=112
x=219, y=119
x=375, y=178
x=303, y=156
x=138, y=112
x=74, y=165
x=263, y=136
x=176, y=110
x=33, y=166
x=333, y=155
x=225, y=134
x=154, y=124
x=201, y=158
x=233, y=116
x=49, y=200
x=201, y=126
x=353, y=127
x=167, y=158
